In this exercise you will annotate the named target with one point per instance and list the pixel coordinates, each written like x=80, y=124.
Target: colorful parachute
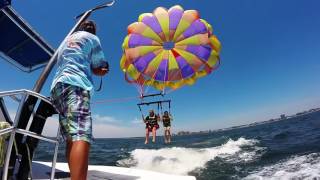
x=169, y=49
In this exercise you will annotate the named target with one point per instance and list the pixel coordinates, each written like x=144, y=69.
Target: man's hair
x=88, y=26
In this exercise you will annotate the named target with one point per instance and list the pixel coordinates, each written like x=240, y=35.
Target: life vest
x=152, y=121
x=166, y=121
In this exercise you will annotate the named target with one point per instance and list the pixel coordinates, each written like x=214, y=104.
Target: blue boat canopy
x=19, y=43
x=4, y=3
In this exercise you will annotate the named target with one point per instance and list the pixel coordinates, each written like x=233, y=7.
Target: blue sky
x=269, y=61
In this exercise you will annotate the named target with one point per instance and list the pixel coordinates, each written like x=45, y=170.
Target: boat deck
x=41, y=171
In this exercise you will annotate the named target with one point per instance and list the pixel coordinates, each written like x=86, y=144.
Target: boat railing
x=13, y=129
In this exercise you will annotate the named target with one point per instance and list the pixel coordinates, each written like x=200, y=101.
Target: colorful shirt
x=81, y=50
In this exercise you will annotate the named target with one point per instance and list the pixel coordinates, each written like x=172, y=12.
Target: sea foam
x=180, y=160
x=296, y=167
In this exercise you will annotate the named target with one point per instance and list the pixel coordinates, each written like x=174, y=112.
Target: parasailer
x=168, y=49
x=166, y=120
x=152, y=125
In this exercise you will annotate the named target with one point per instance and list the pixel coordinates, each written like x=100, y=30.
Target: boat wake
x=180, y=160
x=296, y=167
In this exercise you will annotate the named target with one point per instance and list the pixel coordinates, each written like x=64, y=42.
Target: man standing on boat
x=71, y=90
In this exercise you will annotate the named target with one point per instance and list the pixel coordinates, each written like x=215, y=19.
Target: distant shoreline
x=186, y=133
x=282, y=117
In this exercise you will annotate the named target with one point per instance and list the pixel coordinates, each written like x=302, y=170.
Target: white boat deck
x=41, y=171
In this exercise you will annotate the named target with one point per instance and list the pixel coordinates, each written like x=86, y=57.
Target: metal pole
x=154, y=102
x=151, y=95
x=11, y=140
x=45, y=73
x=55, y=155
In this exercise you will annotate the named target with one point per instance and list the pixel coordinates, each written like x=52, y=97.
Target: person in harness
x=166, y=120
x=152, y=125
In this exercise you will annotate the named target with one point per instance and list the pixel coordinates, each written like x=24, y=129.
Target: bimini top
x=20, y=44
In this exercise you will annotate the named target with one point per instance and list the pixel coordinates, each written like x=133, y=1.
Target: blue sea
x=286, y=149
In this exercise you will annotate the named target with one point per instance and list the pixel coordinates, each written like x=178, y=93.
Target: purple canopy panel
x=185, y=68
x=174, y=18
x=139, y=40
x=163, y=71
x=202, y=52
x=141, y=63
x=153, y=23
x=197, y=27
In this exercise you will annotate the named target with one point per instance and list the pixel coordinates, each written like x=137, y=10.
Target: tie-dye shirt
x=81, y=50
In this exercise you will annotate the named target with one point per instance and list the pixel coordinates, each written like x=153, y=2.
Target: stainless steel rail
x=13, y=129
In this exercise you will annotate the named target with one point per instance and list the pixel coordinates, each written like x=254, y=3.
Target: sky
x=269, y=62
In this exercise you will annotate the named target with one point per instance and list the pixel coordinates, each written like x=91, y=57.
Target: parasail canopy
x=169, y=49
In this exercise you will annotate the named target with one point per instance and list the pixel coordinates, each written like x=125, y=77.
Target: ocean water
x=286, y=149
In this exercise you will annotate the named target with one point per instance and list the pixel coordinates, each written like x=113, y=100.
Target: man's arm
x=99, y=65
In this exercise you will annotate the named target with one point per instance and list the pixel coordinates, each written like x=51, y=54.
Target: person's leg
x=68, y=149
x=165, y=135
x=60, y=97
x=79, y=131
x=154, y=129
x=169, y=135
x=147, y=136
x=78, y=160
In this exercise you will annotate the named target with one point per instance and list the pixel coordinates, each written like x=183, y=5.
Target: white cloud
x=136, y=121
x=116, y=131
x=97, y=118
x=103, y=127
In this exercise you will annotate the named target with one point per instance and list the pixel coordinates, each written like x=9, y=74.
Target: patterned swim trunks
x=73, y=105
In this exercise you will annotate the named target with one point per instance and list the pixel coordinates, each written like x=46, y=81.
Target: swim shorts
x=73, y=105
x=150, y=127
